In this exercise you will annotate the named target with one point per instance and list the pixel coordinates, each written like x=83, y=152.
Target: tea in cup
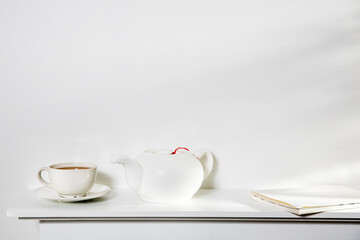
x=70, y=179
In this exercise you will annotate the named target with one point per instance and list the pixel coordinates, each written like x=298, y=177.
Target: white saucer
x=98, y=190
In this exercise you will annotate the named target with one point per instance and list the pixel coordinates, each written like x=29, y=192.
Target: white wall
x=272, y=87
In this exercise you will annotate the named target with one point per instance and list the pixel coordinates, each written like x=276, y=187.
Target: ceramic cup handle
x=41, y=178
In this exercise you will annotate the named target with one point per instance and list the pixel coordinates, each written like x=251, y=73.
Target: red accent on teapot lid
x=174, y=152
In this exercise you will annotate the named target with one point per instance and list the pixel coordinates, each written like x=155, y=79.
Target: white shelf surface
x=122, y=204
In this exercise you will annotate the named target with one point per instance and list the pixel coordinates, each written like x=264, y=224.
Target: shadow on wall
x=105, y=179
x=323, y=45
x=340, y=174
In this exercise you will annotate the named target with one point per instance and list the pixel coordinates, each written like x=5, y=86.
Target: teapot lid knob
x=174, y=152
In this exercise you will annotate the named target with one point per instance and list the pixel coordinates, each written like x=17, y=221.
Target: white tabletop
x=121, y=204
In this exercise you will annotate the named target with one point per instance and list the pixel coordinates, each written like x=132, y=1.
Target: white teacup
x=70, y=179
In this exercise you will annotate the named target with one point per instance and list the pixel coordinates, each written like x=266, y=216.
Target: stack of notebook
x=308, y=200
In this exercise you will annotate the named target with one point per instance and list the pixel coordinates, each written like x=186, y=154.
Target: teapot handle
x=206, y=159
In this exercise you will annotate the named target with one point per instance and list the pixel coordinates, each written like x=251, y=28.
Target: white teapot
x=165, y=176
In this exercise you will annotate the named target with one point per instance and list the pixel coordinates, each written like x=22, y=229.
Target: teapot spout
x=133, y=171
